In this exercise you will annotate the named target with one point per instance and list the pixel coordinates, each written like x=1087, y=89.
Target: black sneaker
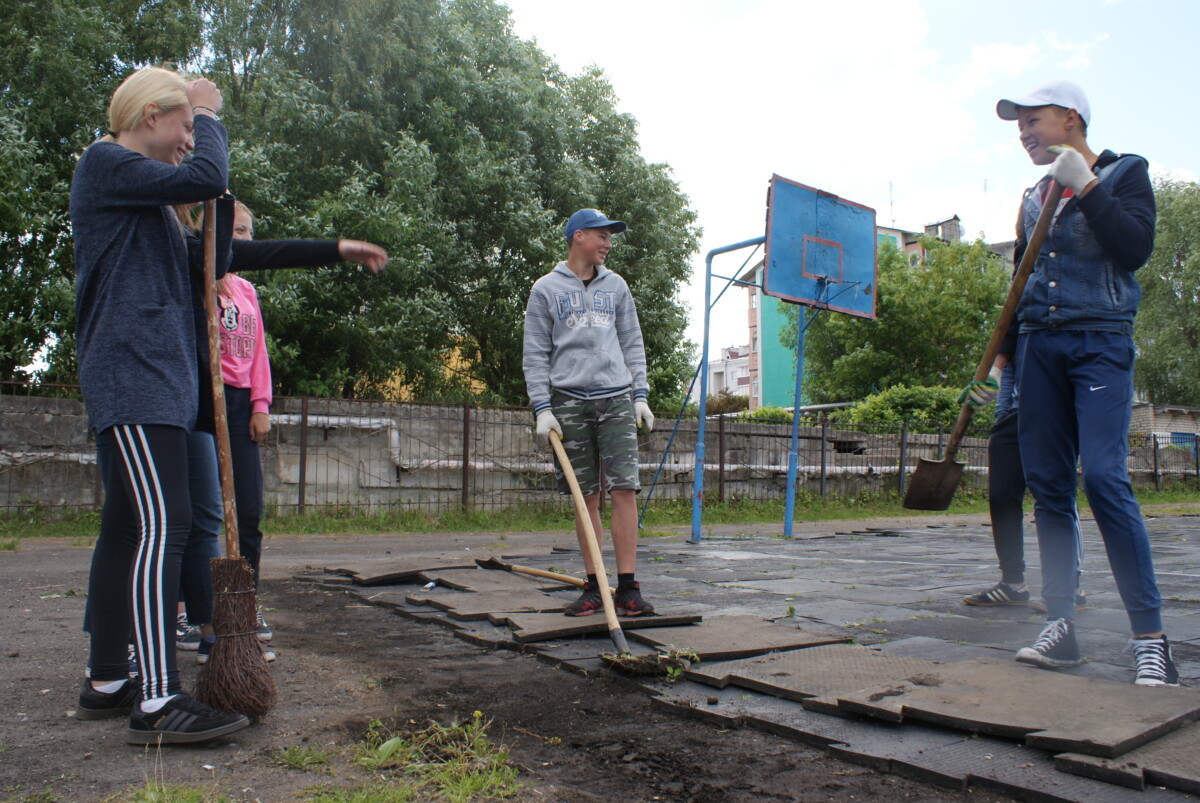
x=588, y=603
x=1154, y=664
x=629, y=602
x=1055, y=646
x=181, y=721
x=1080, y=603
x=999, y=594
x=95, y=705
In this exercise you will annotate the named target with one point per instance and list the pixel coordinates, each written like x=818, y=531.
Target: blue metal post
x=698, y=469
x=802, y=321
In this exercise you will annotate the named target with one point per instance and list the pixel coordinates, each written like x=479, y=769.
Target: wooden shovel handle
x=213, y=310
x=593, y=545
x=1008, y=311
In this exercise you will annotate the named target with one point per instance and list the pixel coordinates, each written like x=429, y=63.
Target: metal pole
x=1196, y=457
x=789, y=505
x=698, y=469
x=903, y=457
x=721, y=459
x=303, y=450
x=1157, y=472
x=466, y=456
x=824, y=425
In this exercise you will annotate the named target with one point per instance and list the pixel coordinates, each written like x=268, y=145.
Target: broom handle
x=224, y=460
x=593, y=546
x=1008, y=311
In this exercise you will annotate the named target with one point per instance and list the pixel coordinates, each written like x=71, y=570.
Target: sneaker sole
x=175, y=737
x=1033, y=658
x=634, y=613
x=93, y=714
x=1013, y=603
x=585, y=613
x=1153, y=683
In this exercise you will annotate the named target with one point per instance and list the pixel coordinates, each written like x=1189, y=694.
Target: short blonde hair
x=238, y=206
x=156, y=86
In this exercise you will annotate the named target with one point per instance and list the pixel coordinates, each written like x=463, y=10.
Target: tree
x=933, y=320
x=1167, y=328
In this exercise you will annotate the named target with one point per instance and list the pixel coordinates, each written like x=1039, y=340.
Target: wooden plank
x=722, y=638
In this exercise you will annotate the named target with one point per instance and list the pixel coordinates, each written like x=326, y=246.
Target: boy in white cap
x=585, y=371
x=1074, y=357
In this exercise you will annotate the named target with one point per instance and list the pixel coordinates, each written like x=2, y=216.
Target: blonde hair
x=238, y=206
x=156, y=86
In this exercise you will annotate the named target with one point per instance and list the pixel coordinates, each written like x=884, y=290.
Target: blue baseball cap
x=591, y=219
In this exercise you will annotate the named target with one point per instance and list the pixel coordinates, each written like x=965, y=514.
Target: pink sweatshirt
x=244, y=362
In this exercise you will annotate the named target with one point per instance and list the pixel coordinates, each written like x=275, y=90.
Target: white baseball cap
x=1051, y=93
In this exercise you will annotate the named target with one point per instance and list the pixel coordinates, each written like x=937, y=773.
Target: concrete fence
x=371, y=456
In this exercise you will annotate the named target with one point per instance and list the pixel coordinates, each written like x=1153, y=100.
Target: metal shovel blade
x=932, y=485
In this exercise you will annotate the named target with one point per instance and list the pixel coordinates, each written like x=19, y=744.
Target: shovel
x=933, y=484
x=496, y=563
x=593, y=546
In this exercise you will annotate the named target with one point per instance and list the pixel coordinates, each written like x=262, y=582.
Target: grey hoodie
x=582, y=341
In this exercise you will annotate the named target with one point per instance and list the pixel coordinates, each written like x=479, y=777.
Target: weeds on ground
x=382, y=792
x=9, y=544
x=455, y=762
x=299, y=757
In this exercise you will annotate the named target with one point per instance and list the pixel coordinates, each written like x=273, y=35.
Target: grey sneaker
x=1055, y=646
x=264, y=630
x=1154, y=664
x=190, y=640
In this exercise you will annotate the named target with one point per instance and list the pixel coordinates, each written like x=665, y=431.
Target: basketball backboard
x=820, y=249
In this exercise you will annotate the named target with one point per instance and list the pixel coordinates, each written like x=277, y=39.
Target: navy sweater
x=135, y=328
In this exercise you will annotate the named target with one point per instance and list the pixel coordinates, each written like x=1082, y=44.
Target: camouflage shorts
x=598, y=431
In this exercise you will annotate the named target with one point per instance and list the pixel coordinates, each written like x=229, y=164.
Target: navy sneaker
x=629, y=602
x=190, y=640
x=204, y=648
x=999, y=594
x=95, y=705
x=1055, y=647
x=588, y=603
x=181, y=721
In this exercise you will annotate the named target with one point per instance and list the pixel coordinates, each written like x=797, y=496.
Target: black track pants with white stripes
x=134, y=585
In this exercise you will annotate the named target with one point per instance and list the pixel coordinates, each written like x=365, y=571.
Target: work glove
x=547, y=422
x=1069, y=168
x=979, y=394
x=643, y=416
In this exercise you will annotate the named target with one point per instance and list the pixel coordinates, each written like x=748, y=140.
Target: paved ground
x=897, y=585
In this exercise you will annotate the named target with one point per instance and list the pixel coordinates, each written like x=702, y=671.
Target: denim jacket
x=1083, y=276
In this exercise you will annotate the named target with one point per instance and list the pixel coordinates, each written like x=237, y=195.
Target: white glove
x=1069, y=169
x=980, y=394
x=547, y=422
x=643, y=416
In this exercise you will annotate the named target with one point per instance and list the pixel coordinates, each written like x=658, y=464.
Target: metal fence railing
x=371, y=456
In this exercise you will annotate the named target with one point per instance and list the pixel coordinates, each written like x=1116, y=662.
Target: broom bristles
x=236, y=677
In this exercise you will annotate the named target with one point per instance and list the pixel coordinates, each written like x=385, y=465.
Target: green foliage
x=1167, y=328
x=300, y=757
x=426, y=126
x=933, y=321
x=768, y=414
x=918, y=406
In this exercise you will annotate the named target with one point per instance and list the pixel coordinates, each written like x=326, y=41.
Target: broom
x=235, y=678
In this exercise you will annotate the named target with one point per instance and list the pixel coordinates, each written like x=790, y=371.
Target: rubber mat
x=1047, y=709
x=390, y=571
x=471, y=606
x=476, y=579
x=1172, y=761
x=815, y=676
x=721, y=638
x=529, y=627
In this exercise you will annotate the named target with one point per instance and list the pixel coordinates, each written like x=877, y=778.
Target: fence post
x=824, y=426
x=466, y=456
x=903, y=456
x=721, y=458
x=1157, y=472
x=941, y=435
x=303, y=452
x=1196, y=457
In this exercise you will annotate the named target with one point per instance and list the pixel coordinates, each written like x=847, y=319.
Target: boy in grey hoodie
x=585, y=371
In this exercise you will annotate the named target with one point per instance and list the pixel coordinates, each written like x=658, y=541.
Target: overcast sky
x=888, y=103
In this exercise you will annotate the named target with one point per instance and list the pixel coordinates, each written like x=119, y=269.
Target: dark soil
x=343, y=664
